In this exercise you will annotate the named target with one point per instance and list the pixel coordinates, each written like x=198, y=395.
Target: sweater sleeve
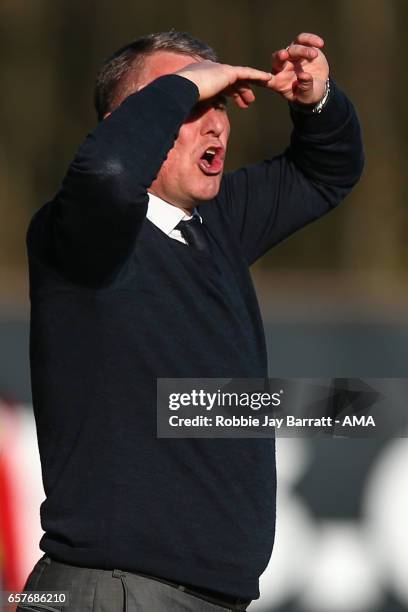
x=268, y=202
x=92, y=223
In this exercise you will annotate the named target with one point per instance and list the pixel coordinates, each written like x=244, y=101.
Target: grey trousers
x=93, y=590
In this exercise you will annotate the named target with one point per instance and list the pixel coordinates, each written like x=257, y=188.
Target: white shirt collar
x=165, y=216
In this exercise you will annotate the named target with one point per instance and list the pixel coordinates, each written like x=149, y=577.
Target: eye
x=219, y=103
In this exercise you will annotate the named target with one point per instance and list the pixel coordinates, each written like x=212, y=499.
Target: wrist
x=336, y=112
x=316, y=107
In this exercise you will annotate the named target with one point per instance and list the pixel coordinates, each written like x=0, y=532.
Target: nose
x=214, y=122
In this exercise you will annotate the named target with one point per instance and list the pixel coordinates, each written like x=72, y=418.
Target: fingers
x=245, y=73
x=299, y=52
x=242, y=80
x=241, y=93
x=304, y=82
x=278, y=60
x=246, y=94
x=212, y=78
x=293, y=52
x=301, y=48
x=239, y=101
x=305, y=38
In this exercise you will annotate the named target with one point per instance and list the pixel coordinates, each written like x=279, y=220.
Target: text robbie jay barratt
x=267, y=421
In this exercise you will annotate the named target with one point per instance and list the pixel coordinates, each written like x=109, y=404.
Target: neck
x=188, y=210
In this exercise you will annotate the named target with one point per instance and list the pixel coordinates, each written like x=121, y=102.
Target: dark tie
x=194, y=234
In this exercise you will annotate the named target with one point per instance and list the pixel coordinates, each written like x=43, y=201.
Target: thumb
x=304, y=87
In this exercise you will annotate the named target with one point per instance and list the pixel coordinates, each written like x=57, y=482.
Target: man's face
x=189, y=174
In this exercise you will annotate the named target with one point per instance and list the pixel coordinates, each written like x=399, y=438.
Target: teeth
x=210, y=152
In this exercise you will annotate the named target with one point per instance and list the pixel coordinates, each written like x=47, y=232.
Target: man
x=139, y=270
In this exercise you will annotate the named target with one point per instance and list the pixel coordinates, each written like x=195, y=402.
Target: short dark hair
x=117, y=66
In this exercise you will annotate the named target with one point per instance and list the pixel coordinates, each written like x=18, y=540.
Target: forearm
x=327, y=147
x=103, y=200
x=268, y=202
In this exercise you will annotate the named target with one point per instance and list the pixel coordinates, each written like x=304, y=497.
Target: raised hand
x=212, y=79
x=301, y=70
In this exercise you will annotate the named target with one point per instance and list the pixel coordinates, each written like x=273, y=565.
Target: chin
x=208, y=191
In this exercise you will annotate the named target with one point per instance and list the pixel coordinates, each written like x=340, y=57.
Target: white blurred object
x=285, y=575
x=386, y=511
x=23, y=460
x=327, y=566
x=344, y=574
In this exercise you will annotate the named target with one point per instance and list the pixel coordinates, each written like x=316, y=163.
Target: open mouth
x=212, y=160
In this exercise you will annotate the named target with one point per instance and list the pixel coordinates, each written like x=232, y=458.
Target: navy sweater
x=116, y=304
